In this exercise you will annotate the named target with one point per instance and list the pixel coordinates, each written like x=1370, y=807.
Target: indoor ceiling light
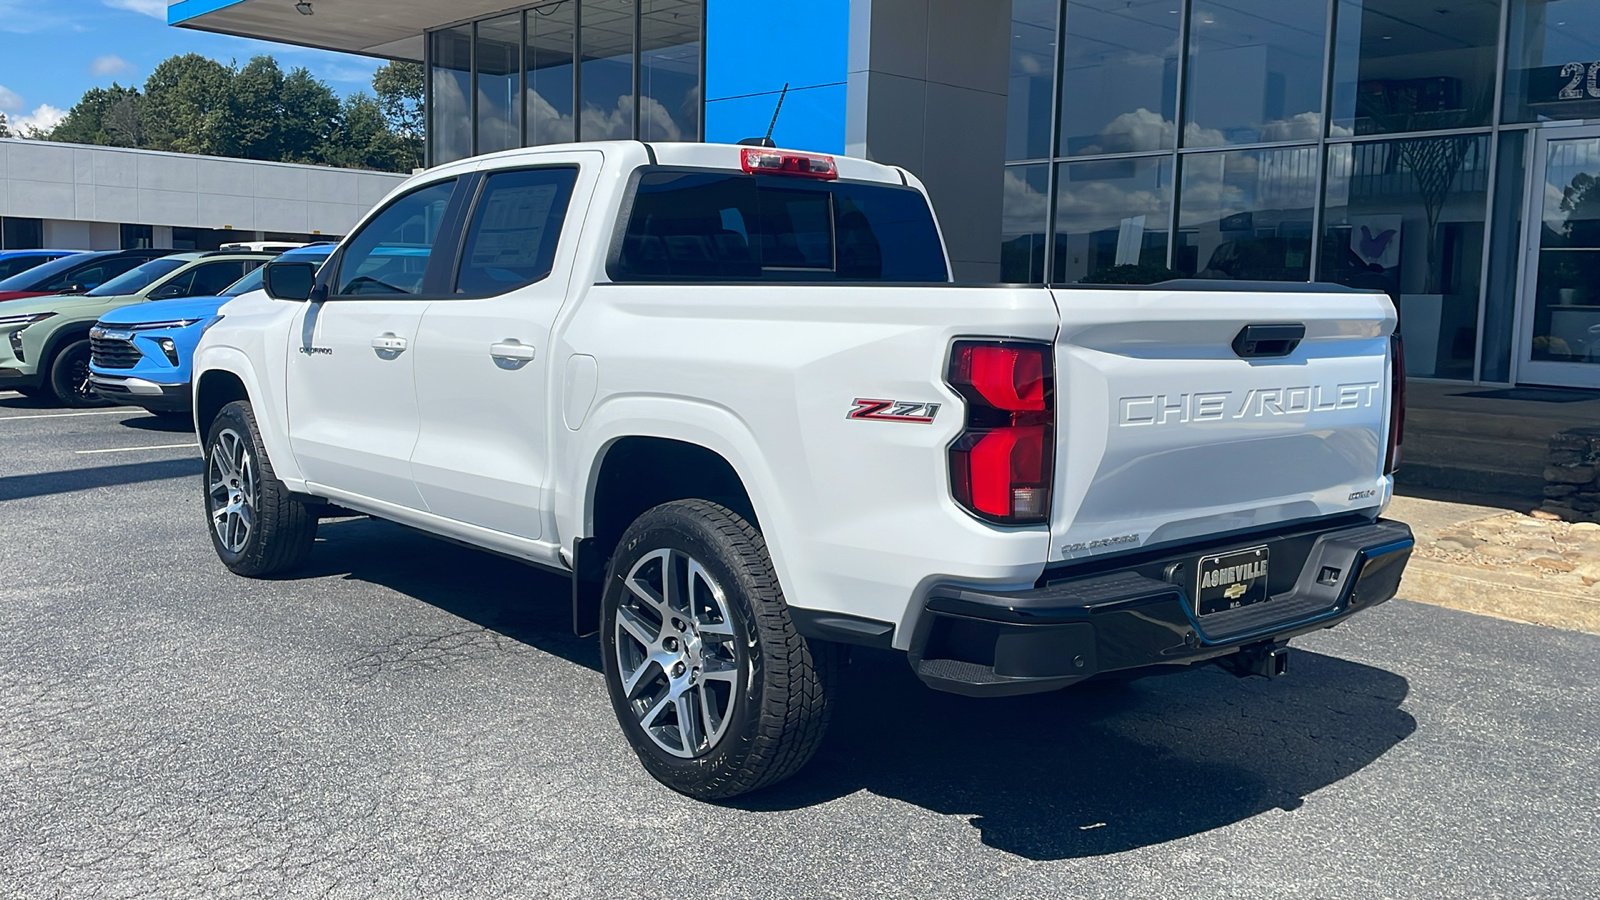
x=304, y=6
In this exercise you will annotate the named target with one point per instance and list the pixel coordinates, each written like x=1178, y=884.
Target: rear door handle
x=511, y=350
x=389, y=342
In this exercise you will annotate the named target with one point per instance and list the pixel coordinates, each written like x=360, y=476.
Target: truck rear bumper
x=983, y=643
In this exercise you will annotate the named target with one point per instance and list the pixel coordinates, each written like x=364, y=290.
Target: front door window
x=1564, y=316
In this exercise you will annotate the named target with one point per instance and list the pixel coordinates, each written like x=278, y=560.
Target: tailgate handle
x=1268, y=341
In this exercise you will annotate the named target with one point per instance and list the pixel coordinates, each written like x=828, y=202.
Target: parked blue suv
x=142, y=353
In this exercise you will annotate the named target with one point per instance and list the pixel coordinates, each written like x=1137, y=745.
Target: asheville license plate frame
x=1231, y=592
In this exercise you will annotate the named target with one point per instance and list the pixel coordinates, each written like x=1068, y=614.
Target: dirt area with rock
x=1529, y=567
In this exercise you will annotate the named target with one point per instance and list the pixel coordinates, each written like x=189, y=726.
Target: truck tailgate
x=1165, y=433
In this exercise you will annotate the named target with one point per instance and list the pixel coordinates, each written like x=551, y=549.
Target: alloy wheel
x=676, y=653
x=231, y=490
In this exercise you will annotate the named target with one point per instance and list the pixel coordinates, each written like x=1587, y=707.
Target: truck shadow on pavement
x=1093, y=770
x=1104, y=767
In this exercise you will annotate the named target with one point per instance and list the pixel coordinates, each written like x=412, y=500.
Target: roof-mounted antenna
x=767, y=140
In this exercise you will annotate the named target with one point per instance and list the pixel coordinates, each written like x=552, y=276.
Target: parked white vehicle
x=733, y=393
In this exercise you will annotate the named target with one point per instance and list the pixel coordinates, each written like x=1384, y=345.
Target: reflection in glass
x=450, y=81
x=1566, y=300
x=1255, y=71
x=1407, y=217
x=1026, y=209
x=1246, y=215
x=1403, y=66
x=1112, y=214
x=606, y=75
x=499, y=83
x=1033, y=49
x=1505, y=241
x=1553, y=60
x=669, y=70
x=549, y=61
x=1120, y=65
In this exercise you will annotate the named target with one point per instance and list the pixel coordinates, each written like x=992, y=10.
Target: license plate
x=1231, y=580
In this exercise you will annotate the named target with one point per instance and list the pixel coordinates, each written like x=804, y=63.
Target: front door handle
x=511, y=350
x=389, y=345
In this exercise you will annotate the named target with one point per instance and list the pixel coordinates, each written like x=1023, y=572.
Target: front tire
x=69, y=377
x=257, y=527
x=714, y=688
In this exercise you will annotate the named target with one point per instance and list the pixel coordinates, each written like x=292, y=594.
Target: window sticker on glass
x=513, y=226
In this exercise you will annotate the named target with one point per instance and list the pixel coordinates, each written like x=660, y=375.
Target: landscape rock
x=1569, y=474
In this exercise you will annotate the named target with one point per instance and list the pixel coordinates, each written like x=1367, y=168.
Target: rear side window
x=515, y=227
x=389, y=255
x=714, y=226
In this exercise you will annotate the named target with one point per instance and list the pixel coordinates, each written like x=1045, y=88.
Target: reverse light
x=1397, y=404
x=1003, y=463
x=761, y=161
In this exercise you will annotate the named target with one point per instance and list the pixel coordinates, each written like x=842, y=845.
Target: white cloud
x=110, y=64
x=25, y=17
x=155, y=9
x=44, y=118
x=10, y=101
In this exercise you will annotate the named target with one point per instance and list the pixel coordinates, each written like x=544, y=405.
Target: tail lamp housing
x=1397, y=404
x=1003, y=464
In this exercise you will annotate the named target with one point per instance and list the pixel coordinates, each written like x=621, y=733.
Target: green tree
x=399, y=89
x=106, y=116
x=361, y=137
x=191, y=104
x=186, y=105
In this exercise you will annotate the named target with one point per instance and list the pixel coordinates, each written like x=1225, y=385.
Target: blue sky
x=51, y=51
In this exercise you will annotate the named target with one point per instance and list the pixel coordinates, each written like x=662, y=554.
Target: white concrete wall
x=76, y=183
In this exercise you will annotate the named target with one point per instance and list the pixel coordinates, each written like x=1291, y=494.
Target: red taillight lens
x=759, y=160
x=1397, y=404
x=1002, y=465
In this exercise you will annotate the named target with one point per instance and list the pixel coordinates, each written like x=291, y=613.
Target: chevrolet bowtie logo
x=1234, y=591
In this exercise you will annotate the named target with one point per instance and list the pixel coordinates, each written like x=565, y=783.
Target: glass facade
x=1375, y=143
x=587, y=70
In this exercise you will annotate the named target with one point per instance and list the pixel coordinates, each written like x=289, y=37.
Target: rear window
x=716, y=226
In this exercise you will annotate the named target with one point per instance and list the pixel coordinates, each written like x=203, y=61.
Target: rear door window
x=714, y=226
x=516, y=225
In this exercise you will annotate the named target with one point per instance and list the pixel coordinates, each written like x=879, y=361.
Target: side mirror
x=77, y=289
x=291, y=281
x=166, y=292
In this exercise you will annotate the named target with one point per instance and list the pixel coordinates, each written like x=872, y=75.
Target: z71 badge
x=893, y=411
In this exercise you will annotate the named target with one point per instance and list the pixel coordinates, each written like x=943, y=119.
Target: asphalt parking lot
x=409, y=718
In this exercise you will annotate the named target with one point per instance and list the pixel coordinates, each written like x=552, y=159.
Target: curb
x=1503, y=596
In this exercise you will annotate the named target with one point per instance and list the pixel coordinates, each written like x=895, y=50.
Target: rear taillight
x=759, y=160
x=1397, y=404
x=1002, y=465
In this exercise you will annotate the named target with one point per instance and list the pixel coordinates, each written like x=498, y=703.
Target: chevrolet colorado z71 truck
x=732, y=392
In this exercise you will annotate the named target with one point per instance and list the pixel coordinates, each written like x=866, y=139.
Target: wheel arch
x=58, y=339
x=223, y=374
x=636, y=473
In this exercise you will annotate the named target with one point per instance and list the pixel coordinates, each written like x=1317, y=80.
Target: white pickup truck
x=733, y=393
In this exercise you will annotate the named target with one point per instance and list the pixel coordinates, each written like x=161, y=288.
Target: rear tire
x=714, y=688
x=257, y=527
x=69, y=377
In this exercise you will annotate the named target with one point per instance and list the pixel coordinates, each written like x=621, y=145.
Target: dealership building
x=77, y=197
x=1444, y=151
